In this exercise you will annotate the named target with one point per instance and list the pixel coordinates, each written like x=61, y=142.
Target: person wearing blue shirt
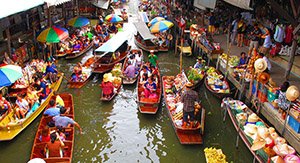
x=198, y=64
x=243, y=60
x=64, y=121
x=52, y=110
x=51, y=72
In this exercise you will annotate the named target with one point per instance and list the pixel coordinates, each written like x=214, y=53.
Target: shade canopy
x=161, y=26
x=53, y=35
x=155, y=20
x=114, y=43
x=9, y=74
x=78, y=22
x=143, y=30
x=113, y=18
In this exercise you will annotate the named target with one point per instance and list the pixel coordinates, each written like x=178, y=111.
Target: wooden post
x=8, y=40
x=77, y=7
x=292, y=58
x=181, y=40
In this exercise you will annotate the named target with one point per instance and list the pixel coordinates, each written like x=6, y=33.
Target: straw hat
x=283, y=149
x=271, y=130
x=253, y=118
x=263, y=77
x=151, y=51
x=105, y=77
x=292, y=159
x=277, y=159
x=260, y=65
x=251, y=130
x=280, y=140
x=292, y=93
x=36, y=160
x=258, y=144
x=274, y=135
x=189, y=84
x=263, y=132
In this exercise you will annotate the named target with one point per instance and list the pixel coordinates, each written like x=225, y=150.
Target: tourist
x=54, y=146
x=149, y=89
x=61, y=132
x=32, y=96
x=130, y=70
x=261, y=55
x=254, y=37
x=267, y=42
x=4, y=105
x=45, y=135
x=138, y=58
x=51, y=72
x=53, y=110
x=153, y=59
x=65, y=121
x=211, y=23
x=241, y=31
x=22, y=107
x=283, y=102
x=234, y=28
x=107, y=87
x=132, y=59
x=188, y=98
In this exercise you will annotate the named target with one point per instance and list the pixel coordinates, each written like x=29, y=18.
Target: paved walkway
x=278, y=65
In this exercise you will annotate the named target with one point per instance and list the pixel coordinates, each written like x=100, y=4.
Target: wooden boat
x=77, y=54
x=219, y=95
x=197, y=83
x=144, y=38
x=127, y=80
x=117, y=89
x=105, y=57
x=38, y=146
x=10, y=127
x=60, y=55
x=86, y=69
x=185, y=135
x=149, y=105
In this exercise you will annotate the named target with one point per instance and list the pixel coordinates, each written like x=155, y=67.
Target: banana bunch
x=214, y=155
x=178, y=115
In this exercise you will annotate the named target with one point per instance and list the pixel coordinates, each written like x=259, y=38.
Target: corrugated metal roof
x=143, y=30
x=55, y=2
x=114, y=43
x=11, y=7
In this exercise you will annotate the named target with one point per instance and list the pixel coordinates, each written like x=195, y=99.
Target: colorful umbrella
x=161, y=26
x=53, y=35
x=155, y=20
x=78, y=22
x=113, y=18
x=9, y=74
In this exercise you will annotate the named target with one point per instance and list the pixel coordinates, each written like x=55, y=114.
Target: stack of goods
x=263, y=139
x=240, y=73
x=115, y=75
x=195, y=75
x=214, y=155
x=294, y=116
x=233, y=61
x=172, y=86
x=216, y=82
x=86, y=73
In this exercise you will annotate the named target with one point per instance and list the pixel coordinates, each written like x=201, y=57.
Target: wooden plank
x=190, y=138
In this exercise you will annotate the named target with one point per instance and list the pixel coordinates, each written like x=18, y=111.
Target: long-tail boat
x=186, y=135
x=10, y=127
x=39, y=146
x=86, y=71
x=144, y=38
x=127, y=80
x=149, y=105
x=211, y=82
x=111, y=52
x=77, y=54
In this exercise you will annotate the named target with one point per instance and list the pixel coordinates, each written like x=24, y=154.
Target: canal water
x=116, y=132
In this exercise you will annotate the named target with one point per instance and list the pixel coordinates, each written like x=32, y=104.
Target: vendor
x=107, y=87
x=199, y=63
x=283, y=103
x=243, y=60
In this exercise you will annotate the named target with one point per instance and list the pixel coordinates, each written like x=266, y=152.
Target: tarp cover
x=11, y=7
x=102, y=4
x=143, y=30
x=244, y=4
x=114, y=43
x=202, y=4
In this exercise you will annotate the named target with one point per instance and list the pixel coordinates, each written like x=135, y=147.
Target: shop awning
x=143, y=30
x=104, y=4
x=114, y=43
x=11, y=7
x=144, y=17
x=244, y=4
x=55, y=2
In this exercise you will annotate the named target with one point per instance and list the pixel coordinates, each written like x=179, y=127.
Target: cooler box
x=294, y=124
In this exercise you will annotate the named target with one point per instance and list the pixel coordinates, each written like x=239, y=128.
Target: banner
x=244, y=4
x=202, y=4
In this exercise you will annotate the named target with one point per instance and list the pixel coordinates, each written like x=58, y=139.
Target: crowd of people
x=134, y=64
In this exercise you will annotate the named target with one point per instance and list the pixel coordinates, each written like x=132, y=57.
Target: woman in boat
x=96, y=41
x=107, y=87
x=77, y=73
x=144, y=78
x=41, y=87
x=4, y=105
x=45, y=134
x=150, y=89
x=76, y=46
x=22, y=107
x=61, y=132
x=55, y=145
x=138, y=58
x=130, y=70
x=31, y=96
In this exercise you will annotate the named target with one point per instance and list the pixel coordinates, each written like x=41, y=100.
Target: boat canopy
x=114, y=43
x=144, y=17
x=142, y=28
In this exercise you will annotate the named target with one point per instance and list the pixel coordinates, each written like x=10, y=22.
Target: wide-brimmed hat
x=263, y=77
x=258, y=144
x=277, y=159
x=292, y=93
x=251, y=130
x=263, y=132
x=283, y=149
x=260, y=65
x=253, y=118
x=189, y=84
x=280, y=140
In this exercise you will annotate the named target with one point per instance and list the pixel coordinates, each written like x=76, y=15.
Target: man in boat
x=153, y=59
x=188, y=98
x=41, y=87
x=64, y=121
x=199, y=63
x=51, y=72
x=53, y=110
x=130, y=70
x=4, y=105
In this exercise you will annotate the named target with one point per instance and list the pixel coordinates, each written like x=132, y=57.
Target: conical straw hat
x=260, y=65
x=292, y=93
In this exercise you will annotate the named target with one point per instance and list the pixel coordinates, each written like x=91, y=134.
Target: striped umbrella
x=78, y=22
x=9, y=74
x=161, y=26
x=113, y=18
x=155, y=20
x=53, y=35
